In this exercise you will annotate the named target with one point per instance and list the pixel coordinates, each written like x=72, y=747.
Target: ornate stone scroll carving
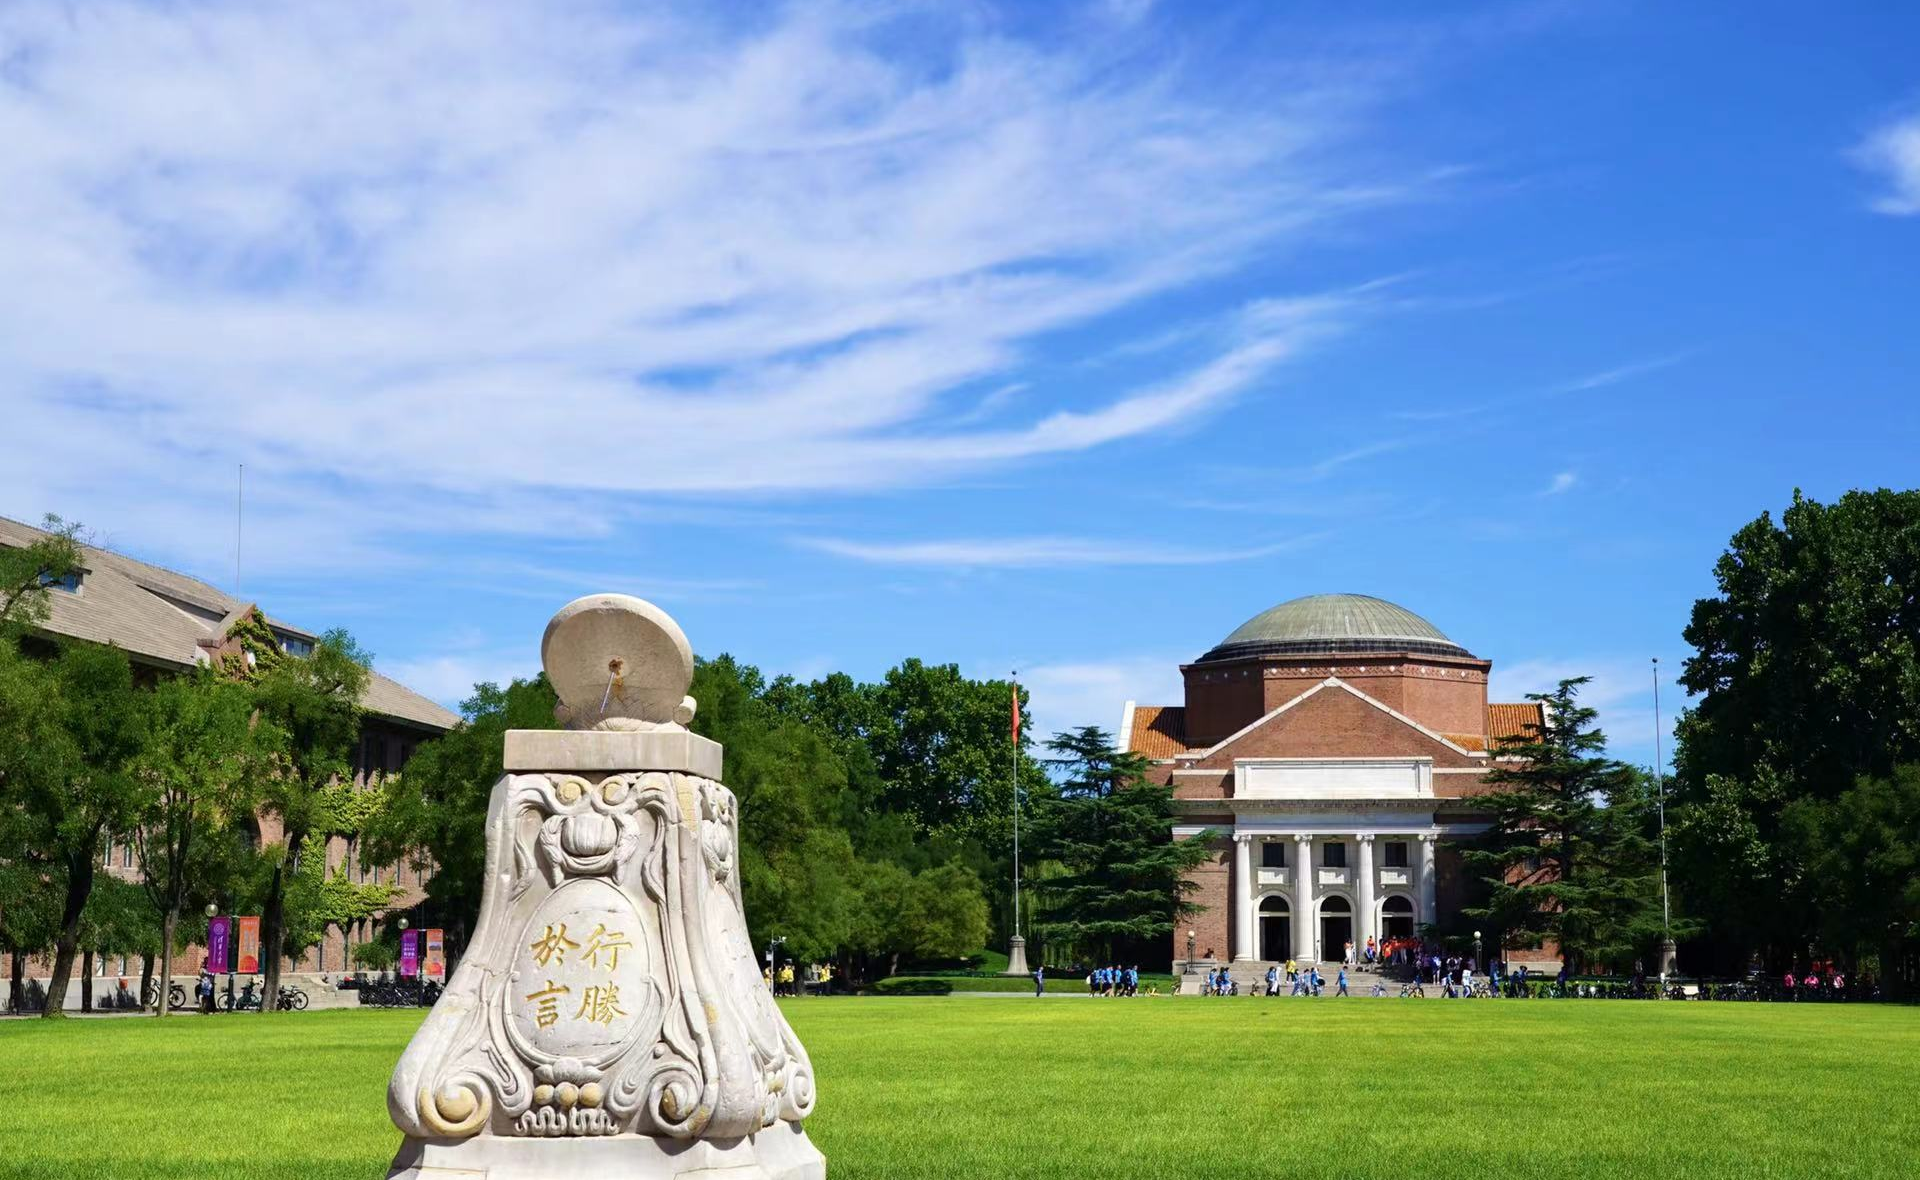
x=608, y=1014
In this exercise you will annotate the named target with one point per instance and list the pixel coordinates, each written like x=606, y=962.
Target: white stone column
x=1429, y=906
x=1364, y=920
x=1242, y=897
x=1303, y=915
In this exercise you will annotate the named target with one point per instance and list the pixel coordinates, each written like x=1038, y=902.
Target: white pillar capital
x=1303, y=837
x=1365, y=838
x=1242, y=837
x=1428, y=838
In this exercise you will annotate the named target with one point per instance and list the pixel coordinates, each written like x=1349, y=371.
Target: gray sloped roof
x=161, y=616
x=1326, y=623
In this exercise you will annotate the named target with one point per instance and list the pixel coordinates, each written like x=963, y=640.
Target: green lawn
x=997, y=1086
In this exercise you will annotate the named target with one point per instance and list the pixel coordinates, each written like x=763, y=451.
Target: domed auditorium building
x=1334, y=745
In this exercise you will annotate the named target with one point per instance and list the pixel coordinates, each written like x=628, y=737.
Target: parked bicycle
x=292, y=998
x=247, y=1000
x=176, y=996
x=405, y=993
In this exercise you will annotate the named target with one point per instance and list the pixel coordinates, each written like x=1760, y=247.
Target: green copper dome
x=1332, y=623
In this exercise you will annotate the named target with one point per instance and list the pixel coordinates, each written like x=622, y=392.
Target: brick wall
x=1212, y=925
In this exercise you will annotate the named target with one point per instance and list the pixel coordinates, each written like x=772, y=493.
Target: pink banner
x=436, y=955
x=409, y=953
x=219, y=945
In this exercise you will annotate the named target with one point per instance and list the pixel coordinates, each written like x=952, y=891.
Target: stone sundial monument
x=608, y=1018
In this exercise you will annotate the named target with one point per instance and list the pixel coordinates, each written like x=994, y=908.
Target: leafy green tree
x=308, y=720
x=938, y=913
x=118, y=920
x=1862, y=855
x=29, y=909
x=796, y=860
x=190, y=774
x=437, y=812
x=69, y=730
x=1807, y=674
x=25, y=572
x=1121, y=884
x=1558, y=862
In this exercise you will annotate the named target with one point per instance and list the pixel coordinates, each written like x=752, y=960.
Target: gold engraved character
x=600, y=1004
x=552, y=946
x=548, y=998
x=611, y=942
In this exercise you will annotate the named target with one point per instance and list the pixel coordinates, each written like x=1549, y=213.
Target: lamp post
x=213, y=911
x=1476, y=950
x=403, y=925
x=1189, y=948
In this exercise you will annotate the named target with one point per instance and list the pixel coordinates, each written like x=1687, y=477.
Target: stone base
x=781, y=1152
x=1016, y=957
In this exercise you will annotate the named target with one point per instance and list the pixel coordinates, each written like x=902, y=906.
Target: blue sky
x=1057, y=337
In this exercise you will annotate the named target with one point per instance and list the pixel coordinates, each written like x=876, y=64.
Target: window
x=109, y=858
x=294, y=645
x=69, y=581
x=1395, y=853
x=1333, y=854
x=126, y=855
x=1273, y=855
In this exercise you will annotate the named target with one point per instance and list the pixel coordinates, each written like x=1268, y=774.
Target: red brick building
x=1334, y=744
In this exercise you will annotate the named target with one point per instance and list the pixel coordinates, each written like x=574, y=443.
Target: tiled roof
x=1159, y=731
x=1509, y=724
x=164, y=617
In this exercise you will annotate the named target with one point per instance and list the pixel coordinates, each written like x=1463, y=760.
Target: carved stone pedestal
x=609, y=1017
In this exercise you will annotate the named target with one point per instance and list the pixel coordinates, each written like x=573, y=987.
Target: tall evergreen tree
x=1120, y=884
x=1559, y=862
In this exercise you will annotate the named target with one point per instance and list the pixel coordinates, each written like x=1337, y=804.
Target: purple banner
x=409, y=953
x=219, y=944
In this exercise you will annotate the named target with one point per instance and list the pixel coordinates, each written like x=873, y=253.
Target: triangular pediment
x=1333, y=719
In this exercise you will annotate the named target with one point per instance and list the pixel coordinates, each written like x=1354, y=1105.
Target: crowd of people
x=781, y=980
x=1115, y=981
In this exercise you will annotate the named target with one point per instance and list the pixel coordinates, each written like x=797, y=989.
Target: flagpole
x=1660, y=784
x=1016, y=946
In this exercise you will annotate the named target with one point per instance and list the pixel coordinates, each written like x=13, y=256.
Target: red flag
x=1016, y=713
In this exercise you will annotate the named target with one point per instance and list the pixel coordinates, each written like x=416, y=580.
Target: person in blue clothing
x=1040, y=980
x=1133, y=980
x=1273, y=981
x=1342, y=981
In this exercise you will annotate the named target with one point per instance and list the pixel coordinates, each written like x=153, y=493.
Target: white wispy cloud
x=1561, y=482
x=1616, y=375
x=1067, y=695
x=1028, y=552
x=1892, y=154
x=449, y=266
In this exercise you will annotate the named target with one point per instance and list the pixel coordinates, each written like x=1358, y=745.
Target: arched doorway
x=1396, y=917
x=1276, y=929
x=1336, y=928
